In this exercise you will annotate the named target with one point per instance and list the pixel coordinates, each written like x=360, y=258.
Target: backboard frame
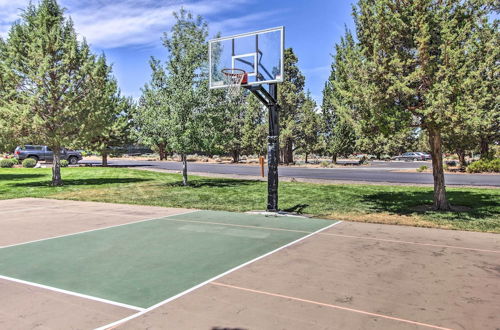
x=280, y=29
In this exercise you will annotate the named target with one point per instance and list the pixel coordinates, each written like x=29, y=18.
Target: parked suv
x=39, y=153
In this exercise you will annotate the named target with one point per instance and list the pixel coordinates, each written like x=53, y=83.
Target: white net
x=233, y=79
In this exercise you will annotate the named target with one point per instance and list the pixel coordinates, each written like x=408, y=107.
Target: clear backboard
x=259, y=54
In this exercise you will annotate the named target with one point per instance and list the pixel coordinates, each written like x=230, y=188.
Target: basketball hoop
x=234, y=78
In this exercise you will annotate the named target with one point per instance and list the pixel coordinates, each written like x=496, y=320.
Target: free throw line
x=329, y=305
x=71, y=293
x=161, y=303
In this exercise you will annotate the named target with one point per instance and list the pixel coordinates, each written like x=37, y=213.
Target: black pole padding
x=273, y=151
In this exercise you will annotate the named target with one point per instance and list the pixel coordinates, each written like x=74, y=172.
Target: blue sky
x=129, y=31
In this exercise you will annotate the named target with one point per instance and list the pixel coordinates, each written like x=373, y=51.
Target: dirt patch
x=387, y=218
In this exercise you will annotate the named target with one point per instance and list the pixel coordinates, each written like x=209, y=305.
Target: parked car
x=425, y=155
x=43, y=153
x=410, y=156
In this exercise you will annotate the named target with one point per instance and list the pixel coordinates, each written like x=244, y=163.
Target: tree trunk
x=461, y=158
x=161, y=151
x=334, y=159
x=236, y=156
x=485, y=149
x=306, y=157
x=288, y=152
x=56, y=168
x=184, y=170
x=440, y=201
x=104, y=159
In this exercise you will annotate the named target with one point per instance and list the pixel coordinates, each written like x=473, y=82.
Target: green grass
x=369, y=203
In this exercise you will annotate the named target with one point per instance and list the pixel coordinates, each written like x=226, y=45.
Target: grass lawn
x=381, y=204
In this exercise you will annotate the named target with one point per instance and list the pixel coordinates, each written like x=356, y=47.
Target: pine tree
x=338, y=106
x=411, y=62
x=290, y=98
x=308, y=127
x=56, y=80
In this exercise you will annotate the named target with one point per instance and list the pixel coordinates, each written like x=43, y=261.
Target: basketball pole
x=273, y=150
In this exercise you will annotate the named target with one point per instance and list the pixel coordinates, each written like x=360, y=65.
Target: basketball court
x=84, y=265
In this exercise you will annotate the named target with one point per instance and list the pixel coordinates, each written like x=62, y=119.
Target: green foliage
x=254, y=129
x=291, y=98
x=186, y=80
x=422, y=168
x=308, y=127
x=324, y=163
x=484, y=165
x=54, y=85
x=14, y=161
x=29, y=163
x=409, y=68
x=152, y=116
x=6, y=163
x=64, y=163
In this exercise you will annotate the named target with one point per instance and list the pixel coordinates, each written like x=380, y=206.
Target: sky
x=129, y=32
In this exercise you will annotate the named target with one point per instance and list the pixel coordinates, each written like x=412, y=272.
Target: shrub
x=64, y=163
x=6, y=163
x=451, y=163
x=484, y=165
x=14, y=161
x=324, y=163
x=29, y=163
x=422, y=168
x=446, y=167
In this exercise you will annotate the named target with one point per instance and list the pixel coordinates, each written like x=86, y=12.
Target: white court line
x=71, y=293
x=240, y=226
x=96, y=229
x=133, y=316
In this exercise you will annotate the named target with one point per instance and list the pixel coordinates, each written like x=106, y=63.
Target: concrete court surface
x=350, y=276
x=29, y=219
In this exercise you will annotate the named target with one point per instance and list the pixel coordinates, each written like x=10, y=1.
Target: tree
x=151, y=117
x=118, y=131
x=290, y=98
x=411, y=56
x=338, y=108
x=186, y=83
x=254, y=129
x=56, y=80
x=308, y=127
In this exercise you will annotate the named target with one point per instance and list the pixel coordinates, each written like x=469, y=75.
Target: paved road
x=376, y=172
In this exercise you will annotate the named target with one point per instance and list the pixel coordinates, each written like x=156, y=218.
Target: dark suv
x=44, y=153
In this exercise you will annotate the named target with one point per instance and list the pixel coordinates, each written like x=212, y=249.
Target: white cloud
x=110, y=24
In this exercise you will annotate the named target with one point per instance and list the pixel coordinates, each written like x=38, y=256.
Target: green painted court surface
x=141, y=264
